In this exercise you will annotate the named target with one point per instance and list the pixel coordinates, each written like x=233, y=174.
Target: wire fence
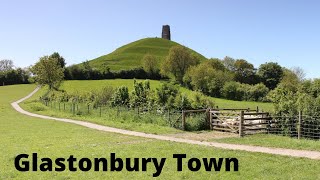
x=299, y=126
x=159, y=116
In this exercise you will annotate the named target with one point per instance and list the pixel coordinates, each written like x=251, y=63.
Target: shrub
x=206, y=79
x=258, y=92
x=104, y=96
x=120, y=97
x=232, y=90
x=199, y=101
x=182, y=102
x=237, y=91
x=165, y=94
x=140, y=94
x=196, y=122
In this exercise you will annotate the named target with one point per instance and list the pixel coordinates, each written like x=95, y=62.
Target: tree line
x=229, y=78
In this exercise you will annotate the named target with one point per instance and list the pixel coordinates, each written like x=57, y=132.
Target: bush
x=76, y=72
x=199, y=101
x=104, y=96
x=120, y=97
x=244, y=92
x=182, y=102
x=206, y=79
x=196, y=122
x=258, y=92
x=166, y=94
x=232, y=90
x=140, y=94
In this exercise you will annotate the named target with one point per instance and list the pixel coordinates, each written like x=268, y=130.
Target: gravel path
x=277, y=151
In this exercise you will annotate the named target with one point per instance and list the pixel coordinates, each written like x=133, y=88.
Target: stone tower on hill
x=166, y=32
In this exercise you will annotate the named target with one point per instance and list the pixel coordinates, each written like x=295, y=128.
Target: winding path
x=276, y=151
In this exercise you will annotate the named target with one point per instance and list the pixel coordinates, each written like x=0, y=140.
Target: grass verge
x=277, y=141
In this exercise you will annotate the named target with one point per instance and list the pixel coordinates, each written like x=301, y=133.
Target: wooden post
x=88, y=109
x=210, y=120
x=299, y=124
x=208, y=117
x=241, y=124
x=257, y=109
x=183, y=120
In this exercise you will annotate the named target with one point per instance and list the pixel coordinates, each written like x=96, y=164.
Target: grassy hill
x=129, y=56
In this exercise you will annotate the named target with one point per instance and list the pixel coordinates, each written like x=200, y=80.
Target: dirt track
x=277, y=151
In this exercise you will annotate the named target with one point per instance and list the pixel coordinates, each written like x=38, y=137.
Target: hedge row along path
x=276, y=151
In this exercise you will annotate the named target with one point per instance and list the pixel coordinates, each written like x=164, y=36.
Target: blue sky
x=283, y=31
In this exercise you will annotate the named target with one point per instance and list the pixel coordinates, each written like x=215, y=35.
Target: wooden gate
x=242, y=122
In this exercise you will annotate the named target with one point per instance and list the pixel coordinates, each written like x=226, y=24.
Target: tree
x=6, y=65
x=229, y=63
x=60, y=59
x=177, y=62
x=216, y=64
x=245, y=72
x=299, y=72
x=87, y=70
x=289, y=80
x=150, y=64
x=270, y=74
x=48, y=71
x=206, y=79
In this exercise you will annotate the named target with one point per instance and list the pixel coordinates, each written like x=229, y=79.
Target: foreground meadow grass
x=23, y=134
x=278, y=141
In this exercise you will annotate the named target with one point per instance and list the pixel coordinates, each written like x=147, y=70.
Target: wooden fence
x=241, y=121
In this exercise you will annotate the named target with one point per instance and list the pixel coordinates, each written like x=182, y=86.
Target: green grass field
x=274, y=141
x=129, y=56
x=88, y=85
x=23, y=134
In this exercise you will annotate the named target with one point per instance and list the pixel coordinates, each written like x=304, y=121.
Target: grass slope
x=23, y=134
x=88, y=85
x=129, y=56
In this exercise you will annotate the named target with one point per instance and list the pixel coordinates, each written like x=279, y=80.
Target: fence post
x=183, y=120
x=257, y=109
x=241, y=124
x=299, y=124
x=208, y=117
